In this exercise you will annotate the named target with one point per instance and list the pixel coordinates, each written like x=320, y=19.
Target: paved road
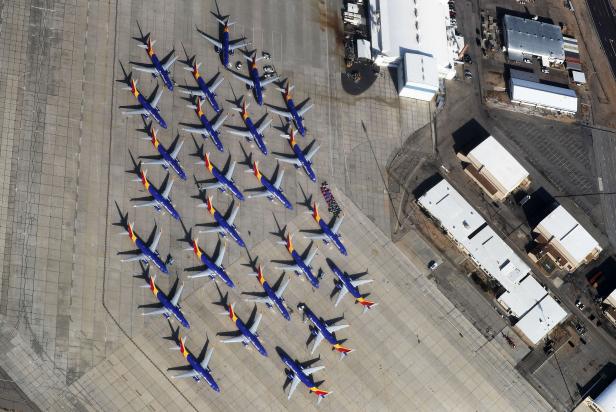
x=604, y=17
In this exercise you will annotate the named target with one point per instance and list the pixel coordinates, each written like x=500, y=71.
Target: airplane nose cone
x=182, y=175
x=163, y=123
x=241, y=242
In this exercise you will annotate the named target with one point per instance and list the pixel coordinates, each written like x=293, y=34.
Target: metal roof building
x=526, y=38
x=541, y=95
x=418, y=78
x=541, y=319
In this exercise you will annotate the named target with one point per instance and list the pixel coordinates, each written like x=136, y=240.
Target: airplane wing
x=237, y=339
x=193, y=92
x=291, y=160
x=282, y=113
x=243, y=133
x=207, y=272
x=229, y=174
x=135, y=258
x=282, y=287
x=312, y=152
x=337, y=224
x=214, y=86
x=310, y=371
x=243, y=79
x=170, y=62
x=265, y=299
x=156, y=98
x=233, y=215
x=255, y=324
x=221, y=254
x=304, y=109
x=135, y=112
x=212, y=40
x=264, y=126
x=146, y=204
x=317, y=341
x=293, y=386
x=196, y=130
x=288, y=267
x=177, y=149
x=212, y=186
x=342, y=294
x=335, y=328
x=278, y=181
x=208, y=356
x=167, y=190
x=268, y=81
x=176, y=297
x=317, y=237
x=357, y=283
x=216, y=229
x=155, y=312
x=311, y=256
x=155, y=162
x=190, y=374
x=145, y=69
x=238, y=45
x=154, y=244
x=263, y=193
x=219, y=123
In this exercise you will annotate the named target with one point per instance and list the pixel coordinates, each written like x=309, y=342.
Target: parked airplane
x=297, y=373
x=145, y=253
x=322, y=330
x=204, y=90
x=208, y=129
x=301, y=265
x=292, y=112
x=251, y=132
x=272, y=298
x=158, y=67
x=159, y=200
x=329, y=234
x=255, y=82
x=349, y=283
x=165, y=159
x=199, y=369
x=225, y=226
x=148, y=108
x=300, y=159
x=214, y=268
x=270, y=190
x=224, y=46
x=169, y=307
x=224, y=181
x=248, y=335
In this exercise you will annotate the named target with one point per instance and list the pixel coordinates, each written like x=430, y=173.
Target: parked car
x=468, y=74
x=433, y=264
x=238, y=66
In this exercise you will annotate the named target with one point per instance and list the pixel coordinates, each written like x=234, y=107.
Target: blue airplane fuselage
x=275, y=193
x=164, y=74
x=208, y=94
x=296, y=117
x=277, y=301
x=151, y=256
x=219, y=271
x=164, y=202
x=227, y=183
x=154, y=112
x=162, y=298
x=332, y=236
x=225, y=47
x=320, y=325
x=250, y=336
x=305, y=268
x=171, y=162
x=256, y=81
x=296, y=370
x=257, y=137
x=306, y=164
x=231, y=231
x=213, y=133
x=346, y=281
x=194, y=363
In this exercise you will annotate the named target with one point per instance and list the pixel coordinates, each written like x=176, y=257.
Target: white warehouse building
x=526, y=38
x=421, y=29
x=524, y=88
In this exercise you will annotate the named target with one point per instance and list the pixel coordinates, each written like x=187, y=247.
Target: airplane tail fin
x=315, y=212
x=255, y=169
x=260, y=277
x=367, y=304
x=319, y=392
x=343, y=350
x=232, y=314
x=289, y=243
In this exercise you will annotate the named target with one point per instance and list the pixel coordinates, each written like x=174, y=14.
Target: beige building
x=564, y=241
x=494, y=169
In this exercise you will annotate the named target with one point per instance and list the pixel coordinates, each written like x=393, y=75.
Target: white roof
x=607, y=399
x=363, y=49
x=569, y=234
x=541, y=319
x=578, y=77
x=544, y=95
x=533, y=38
x=406, y=26
x=499, y=163
x=420, y=73
x=523, y=297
